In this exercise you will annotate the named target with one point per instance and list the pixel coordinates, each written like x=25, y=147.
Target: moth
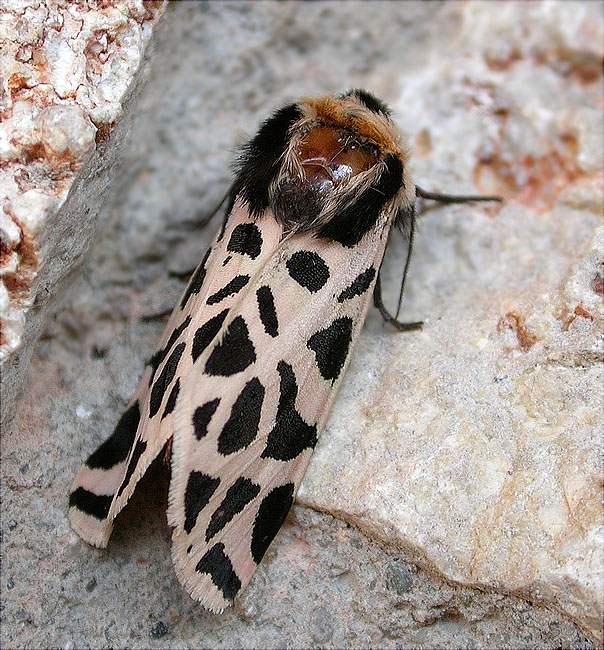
x=254, y=351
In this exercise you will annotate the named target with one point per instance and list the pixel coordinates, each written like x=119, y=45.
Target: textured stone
x=465, y=455
x=65, y=69
x=476, y=442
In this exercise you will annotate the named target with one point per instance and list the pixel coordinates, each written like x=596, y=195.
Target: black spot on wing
x=234, y=353
x=308, y=269
x=267, y=311
x=330, y=346
x=291, y=435
x=206, y=333
x=141, y=445
x=171, y=401
x=202, y=416
x=246, y=239
x=237, y=497
x=95, y=505
x=218, y=566
x=271, y=515
x=117, y=447
x=352, y=223
x=371, y=102
x=358, y=286
x=242, y=426
x=196, y=281
x=227, y=259
x=165, y=379
x=233, y=287
x=199, y=491
x=160, y=355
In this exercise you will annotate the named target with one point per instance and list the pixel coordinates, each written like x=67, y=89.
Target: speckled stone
x=67, y=71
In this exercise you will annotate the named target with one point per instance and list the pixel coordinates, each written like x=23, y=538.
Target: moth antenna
x=407, y=263
x=454, y=198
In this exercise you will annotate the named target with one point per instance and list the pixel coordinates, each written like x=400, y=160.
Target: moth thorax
x=327, y=158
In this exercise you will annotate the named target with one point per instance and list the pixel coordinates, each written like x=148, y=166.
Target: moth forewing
x=295, y=375
x=108, y=478
x=255, y=350
x=247, y=243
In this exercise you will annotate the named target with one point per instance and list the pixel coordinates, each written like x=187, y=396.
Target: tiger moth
x=254, y=351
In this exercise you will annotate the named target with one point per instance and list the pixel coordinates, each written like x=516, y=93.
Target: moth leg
x=185, y=275
x=386, y=315
x=160, y=315
x=454, y=198
x=204, y=220
x=181, y=275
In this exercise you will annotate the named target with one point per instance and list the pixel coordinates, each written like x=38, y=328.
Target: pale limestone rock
x=65, y=72
x=475, y=444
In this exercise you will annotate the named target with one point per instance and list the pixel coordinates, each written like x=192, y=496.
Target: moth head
x=326, y=158
x=333, y=166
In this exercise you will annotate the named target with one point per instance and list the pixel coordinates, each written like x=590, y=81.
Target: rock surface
x=67, y=71
x=466, y=453
x=484, y=429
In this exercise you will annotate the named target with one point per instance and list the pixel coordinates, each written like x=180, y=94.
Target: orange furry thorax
x=347, y=113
